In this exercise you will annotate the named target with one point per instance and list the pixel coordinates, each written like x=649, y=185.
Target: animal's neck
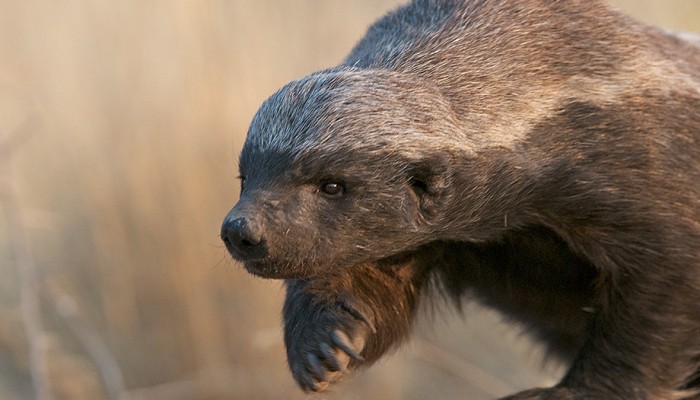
x=498, y=190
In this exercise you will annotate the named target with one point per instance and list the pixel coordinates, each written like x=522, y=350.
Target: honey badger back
x=540, y=155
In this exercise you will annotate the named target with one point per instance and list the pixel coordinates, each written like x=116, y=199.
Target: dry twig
x=67, y=308
x=28, y=275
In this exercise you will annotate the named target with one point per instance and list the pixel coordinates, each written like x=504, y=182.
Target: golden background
x=120, y=125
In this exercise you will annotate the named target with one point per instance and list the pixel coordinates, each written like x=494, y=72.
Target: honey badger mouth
x=267, y=268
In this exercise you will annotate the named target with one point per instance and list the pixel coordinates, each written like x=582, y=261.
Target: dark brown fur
x=542, y=156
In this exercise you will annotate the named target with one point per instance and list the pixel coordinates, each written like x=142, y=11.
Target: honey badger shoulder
x=540, y=155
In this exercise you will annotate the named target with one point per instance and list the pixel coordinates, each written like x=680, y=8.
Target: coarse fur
x=541, y=156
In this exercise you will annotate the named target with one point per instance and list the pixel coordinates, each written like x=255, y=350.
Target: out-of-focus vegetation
x=127, y=118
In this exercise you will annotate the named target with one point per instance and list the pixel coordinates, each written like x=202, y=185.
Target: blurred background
x=120, y=125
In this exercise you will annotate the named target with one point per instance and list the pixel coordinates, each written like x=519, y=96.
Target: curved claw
x=357, y=315
x=314, y=366
x=307, y=383
x=341, y=340
x=331, y=360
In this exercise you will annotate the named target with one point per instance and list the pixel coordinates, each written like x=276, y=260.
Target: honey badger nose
x=243, y=238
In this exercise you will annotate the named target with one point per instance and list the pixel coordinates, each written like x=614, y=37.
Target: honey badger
x=539, y=156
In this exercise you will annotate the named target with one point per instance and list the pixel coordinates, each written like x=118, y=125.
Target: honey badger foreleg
x=347, y=318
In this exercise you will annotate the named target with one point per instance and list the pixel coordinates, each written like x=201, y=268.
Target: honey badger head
x=341, y=167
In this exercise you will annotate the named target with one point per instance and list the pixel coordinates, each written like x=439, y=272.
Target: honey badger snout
x=243, y=236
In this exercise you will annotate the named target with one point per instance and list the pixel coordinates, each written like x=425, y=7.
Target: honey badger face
x=336, y=170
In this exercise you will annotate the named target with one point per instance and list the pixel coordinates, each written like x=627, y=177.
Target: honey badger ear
x=430, y=180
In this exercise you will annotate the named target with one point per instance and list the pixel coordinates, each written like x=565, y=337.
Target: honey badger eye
x=332, y=189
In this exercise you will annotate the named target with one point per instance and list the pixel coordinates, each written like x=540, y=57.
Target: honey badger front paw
x=323, y=346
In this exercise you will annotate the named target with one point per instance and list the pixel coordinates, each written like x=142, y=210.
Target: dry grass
x=143, y=106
